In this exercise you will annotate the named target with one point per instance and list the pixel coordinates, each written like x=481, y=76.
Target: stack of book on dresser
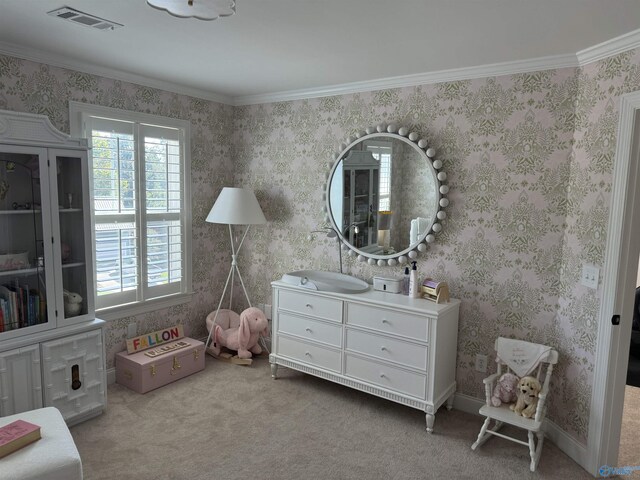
x=16, y=435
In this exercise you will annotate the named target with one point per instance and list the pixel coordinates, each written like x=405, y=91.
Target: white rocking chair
x=503, y=414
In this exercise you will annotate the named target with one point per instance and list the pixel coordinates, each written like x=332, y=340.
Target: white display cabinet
x=20, y=380
x=361, y=173
x=46, y=272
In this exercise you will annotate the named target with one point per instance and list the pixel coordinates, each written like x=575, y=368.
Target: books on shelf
x=16, y=435
x=20, y=306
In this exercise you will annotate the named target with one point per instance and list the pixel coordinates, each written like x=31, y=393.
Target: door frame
x=617, y=294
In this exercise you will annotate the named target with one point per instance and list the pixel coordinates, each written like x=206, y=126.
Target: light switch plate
x=481, y=363
x=590, y=275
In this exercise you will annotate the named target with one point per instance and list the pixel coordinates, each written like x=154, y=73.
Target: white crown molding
x=609, y=48
x=589, y=55
x=466, y=73
x=35, y=55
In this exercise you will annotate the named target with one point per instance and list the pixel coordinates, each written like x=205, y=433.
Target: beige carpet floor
x=629, y=454
x=232, y=422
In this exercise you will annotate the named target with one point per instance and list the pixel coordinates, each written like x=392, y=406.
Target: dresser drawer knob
x=384, y=320
x=307, y=354
x=308, y=305
x=382, y=375
x=384, y=349
x=307, y=330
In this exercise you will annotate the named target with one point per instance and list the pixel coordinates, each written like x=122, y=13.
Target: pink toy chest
x=142, y=373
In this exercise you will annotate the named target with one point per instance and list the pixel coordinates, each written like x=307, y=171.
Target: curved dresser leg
x=274, y=370
x=430, y=420
x=450, y=401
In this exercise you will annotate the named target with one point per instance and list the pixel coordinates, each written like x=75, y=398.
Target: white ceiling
x=275, y=46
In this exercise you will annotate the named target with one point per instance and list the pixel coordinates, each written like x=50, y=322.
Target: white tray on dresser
x=385, y=344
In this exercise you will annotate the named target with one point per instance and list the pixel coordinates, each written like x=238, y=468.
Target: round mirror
x=385, y=195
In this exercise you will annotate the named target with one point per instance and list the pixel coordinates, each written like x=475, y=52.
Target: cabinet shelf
x=19, y=272
x=73, y=264
x=19, y=212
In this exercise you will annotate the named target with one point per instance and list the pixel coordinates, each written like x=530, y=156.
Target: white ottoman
x=53, y=457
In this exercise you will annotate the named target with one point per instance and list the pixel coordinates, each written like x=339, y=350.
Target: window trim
x=78, y=129
x=377, y=146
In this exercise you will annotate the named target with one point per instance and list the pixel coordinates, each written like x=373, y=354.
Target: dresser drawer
x=392, y=378
x=384, y=320
x=329, y=333
x=312, y=354
x=321, y=307
x=387, y=348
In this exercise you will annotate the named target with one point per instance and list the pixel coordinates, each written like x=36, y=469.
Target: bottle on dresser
x=414, y=285
x=405, y=281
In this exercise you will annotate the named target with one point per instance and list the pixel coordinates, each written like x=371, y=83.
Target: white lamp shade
x=236, y=206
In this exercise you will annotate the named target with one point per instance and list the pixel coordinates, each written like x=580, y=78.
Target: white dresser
x=386, y=344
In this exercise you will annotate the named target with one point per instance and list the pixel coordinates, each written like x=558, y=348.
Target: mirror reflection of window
x=383, y=152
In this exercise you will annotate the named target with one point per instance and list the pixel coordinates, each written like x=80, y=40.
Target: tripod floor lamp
x=234, y=206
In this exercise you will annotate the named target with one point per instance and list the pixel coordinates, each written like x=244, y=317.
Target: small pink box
x=172, y=361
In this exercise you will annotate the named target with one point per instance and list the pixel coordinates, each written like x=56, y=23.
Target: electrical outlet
x=267, y=311
x=132, y=330
x=481, y=363
x=590, y=274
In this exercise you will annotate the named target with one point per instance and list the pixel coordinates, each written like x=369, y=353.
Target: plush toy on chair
x=505, y=390
x=241, y=336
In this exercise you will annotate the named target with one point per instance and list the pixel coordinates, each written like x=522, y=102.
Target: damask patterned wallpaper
x=36, y=88
x=529, y=159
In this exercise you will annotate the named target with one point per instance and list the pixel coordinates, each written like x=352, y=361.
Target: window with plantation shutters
x=140, y=194
x=382, y=151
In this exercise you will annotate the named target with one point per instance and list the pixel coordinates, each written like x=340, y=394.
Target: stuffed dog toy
x=243, y=337
x=505, y=390
x=528, y=390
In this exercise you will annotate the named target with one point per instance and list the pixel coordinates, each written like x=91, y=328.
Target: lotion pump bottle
x=405, y=282
x=414, y=287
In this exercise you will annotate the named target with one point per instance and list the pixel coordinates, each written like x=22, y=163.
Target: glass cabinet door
x=73, y=253
x=25, y=242
x=365, y=206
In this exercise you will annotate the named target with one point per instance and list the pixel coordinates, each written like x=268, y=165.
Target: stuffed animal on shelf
x=505, y=390
x=528, y=390
x=241, y=336
x=72, y=303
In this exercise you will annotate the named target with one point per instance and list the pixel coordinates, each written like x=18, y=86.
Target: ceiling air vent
x=85, y=19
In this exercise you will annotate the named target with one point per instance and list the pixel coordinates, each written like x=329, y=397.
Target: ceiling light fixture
x=201, y=9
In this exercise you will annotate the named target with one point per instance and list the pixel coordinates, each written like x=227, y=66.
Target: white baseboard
x=565, y=442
